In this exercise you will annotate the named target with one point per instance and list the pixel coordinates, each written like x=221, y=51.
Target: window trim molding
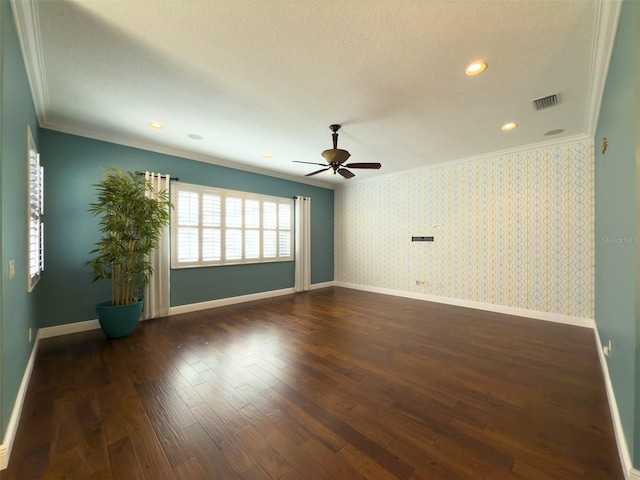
x=224, y=193
x=32, y=151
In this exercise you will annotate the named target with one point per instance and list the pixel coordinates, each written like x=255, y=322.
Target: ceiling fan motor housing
x=336, y=157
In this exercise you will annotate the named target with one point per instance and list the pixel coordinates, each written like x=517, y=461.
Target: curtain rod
x=175, y=179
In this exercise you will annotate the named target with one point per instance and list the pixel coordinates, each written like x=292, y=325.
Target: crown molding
x=27, y=23
x=606, y=27
x=478, y=158
x=186, y=154
x=25, y=15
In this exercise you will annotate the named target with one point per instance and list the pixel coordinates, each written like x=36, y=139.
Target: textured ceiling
x=270, y=76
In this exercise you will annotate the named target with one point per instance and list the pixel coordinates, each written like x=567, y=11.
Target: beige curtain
x=156, y=293
x=303, y=244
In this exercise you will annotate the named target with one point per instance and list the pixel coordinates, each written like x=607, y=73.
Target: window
x=35, y=233
x=222, y=227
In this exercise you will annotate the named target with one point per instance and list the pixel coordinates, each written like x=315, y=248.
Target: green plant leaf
x=130, y=225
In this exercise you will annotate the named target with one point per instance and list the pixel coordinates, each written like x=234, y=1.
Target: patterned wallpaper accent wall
x=515, y=230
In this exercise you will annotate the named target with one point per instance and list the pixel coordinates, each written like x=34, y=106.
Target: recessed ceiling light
x=476, y=67
x=554, y=132
x=156, y=125
x=266, y=155
x=194, y=136
x=509, y=126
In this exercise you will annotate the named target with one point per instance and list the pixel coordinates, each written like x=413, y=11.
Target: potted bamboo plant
x=131, y=223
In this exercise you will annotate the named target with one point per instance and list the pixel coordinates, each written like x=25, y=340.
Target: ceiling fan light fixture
x=336, y=158
x=335, y=153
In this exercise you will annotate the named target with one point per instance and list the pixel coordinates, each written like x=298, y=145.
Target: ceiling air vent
x=546, y=102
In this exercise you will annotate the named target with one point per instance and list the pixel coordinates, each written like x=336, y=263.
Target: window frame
x=35, y=212
x=280, y=230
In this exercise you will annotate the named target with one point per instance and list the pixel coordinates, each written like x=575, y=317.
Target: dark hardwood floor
x=328, y=384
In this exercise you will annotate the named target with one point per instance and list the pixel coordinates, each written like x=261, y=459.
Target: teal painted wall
x=73, y=164
x=616, y=223
x=18, y=308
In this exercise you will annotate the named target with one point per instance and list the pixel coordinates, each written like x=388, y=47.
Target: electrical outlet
x=12, y=269
x=606, y=349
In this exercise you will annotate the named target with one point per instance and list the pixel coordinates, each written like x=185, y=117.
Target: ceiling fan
x=336, y=157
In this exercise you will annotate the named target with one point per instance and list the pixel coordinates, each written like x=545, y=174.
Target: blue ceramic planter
x=118, y=321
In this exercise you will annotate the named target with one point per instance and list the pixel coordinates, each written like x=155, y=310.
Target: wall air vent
x=546, y=102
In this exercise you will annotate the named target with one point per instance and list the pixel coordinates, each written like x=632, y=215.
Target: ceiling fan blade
x=336, y=159
x=319, y=171
x=364, y=165
x=309, y=163
x=341, y=156
x=345, y=173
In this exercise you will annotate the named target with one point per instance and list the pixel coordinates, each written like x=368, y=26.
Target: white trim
x=623, y=448
x=27, y=24
x=561, y=142
x=490, y=307
x=25, y=16
x=224, y=226
x=630, y=473
x=77, y=327
x=68, y=328
x=47, y=332
x=12, y=428
x=150, y=146
x=606, y=27
x=26, y=19
x=318, y=286
x=194, y=307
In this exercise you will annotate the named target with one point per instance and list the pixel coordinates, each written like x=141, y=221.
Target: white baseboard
x=68, y=328
x=318, y=286
x=490, y=307
x=194, y=307
x=77, y=327
x=623, y=449
x=630, y=473
x=47, y=332
x=12, y=428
